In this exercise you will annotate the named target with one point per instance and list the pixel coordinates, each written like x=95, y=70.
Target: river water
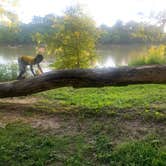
x=109, y=56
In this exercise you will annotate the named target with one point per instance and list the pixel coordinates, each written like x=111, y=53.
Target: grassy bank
x=119, y=126
x=22, y=145
x=134, y=97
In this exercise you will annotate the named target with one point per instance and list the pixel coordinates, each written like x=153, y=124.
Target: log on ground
x=79, y=78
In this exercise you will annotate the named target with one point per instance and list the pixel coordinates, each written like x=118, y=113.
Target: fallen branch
x=80, y=78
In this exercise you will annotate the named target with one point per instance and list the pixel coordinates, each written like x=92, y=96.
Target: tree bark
x=79, y=78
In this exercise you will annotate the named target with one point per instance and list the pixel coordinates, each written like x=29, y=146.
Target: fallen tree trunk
x=79, y=78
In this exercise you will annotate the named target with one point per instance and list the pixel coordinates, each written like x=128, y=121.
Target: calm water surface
x=110, y=56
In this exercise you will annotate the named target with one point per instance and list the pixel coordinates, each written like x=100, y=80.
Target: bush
x=8, y=72
x=155, y=55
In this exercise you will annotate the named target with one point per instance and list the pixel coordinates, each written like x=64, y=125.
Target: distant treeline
x=119, y=33
x=23, y=33
x=132, y=32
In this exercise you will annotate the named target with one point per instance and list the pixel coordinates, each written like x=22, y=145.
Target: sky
x=102, y=11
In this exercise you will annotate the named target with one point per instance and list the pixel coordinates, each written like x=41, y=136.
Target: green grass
x=22, y=145
x=142, y=153
x=117, y=136
x=135, y=101
x=128, y=97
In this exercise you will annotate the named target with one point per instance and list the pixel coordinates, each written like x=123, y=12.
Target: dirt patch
x=46, y=123
x=18, y=100
x=40, y=121
x=16, y=109
x=65, y=121
x=138, y=129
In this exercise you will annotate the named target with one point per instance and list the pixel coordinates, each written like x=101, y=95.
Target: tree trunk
x=79, y=78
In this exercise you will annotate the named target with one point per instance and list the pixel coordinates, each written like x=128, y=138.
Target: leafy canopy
x=72, y=40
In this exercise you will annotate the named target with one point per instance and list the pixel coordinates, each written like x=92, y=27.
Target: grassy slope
x=134, y=96
x=105, y=126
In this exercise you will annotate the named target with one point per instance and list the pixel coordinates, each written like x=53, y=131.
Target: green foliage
x=73, y=40
x=155, y=55
x=8, y=72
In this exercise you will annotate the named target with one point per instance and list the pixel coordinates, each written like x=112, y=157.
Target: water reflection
x=2, y=60
x=119, y=55
x=108, y=63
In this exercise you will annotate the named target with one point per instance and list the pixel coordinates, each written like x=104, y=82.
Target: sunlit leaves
x=155, y=55
x=73, y=40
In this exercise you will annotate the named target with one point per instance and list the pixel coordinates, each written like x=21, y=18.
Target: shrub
x=155, y=55
x=8, y=72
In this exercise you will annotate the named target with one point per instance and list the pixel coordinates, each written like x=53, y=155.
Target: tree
x=131, y=32
x=73, y=40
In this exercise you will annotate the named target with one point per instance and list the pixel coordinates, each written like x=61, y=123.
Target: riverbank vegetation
x=156, y=55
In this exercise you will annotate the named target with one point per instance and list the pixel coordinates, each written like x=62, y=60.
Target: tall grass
x=154, y=56
x=8, y=72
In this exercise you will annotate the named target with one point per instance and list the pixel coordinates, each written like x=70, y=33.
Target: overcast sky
x=102, y=11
